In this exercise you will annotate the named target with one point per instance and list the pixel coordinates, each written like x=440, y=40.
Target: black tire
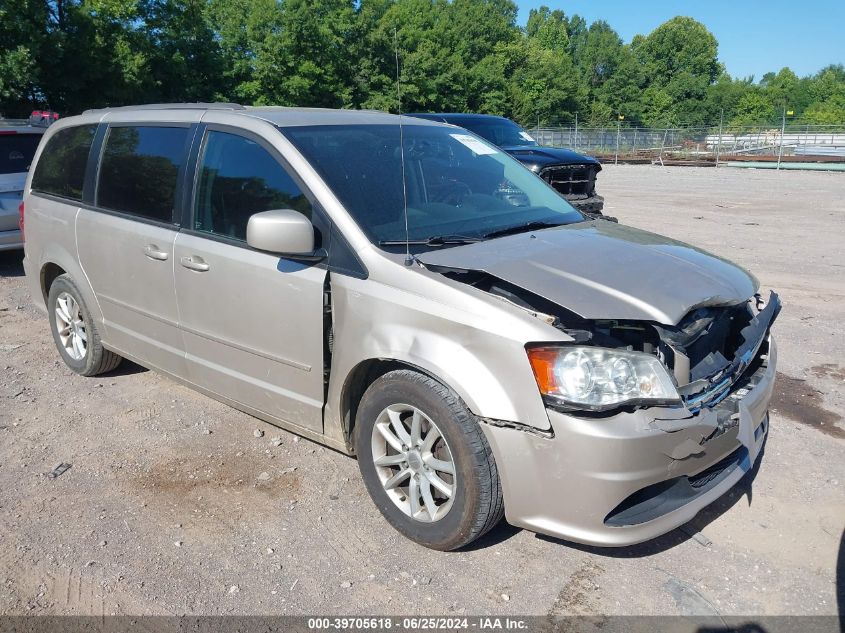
x=97, y=359
x=477, y=505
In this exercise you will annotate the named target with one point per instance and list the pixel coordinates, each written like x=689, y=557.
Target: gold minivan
x=403, y=291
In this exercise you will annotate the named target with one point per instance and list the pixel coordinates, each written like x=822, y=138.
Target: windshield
x=501, y=132
x=16, y=152
x=456, y=184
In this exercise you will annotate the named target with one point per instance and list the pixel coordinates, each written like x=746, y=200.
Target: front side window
x=139, y=170
x=61, y=168
x=237, y=178
x=455, y=183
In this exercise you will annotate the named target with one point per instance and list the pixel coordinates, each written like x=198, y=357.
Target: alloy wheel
x=71, y=327
x=414, y=463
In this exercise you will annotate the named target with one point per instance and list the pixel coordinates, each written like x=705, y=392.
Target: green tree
x=658, y=108
x=543, y=85
x=95, y=53
x=306, y=60
x=831, y=111
x=622, y=90
x=550, y=29
x=21, y=38
x=454, y=55
x=754, y=108
x=680, y=48
x=244, y=29
x=186, y=59
x=785, y=89
x=601, y=55
x=724, y=96
x=680, y=58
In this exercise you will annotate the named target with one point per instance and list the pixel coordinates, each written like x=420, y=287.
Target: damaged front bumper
x=591, y=205
x=625, y=478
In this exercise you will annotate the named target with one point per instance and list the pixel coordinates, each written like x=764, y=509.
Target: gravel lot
x=174, y=506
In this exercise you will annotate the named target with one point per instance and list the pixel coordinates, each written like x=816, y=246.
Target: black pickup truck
x=571, y=174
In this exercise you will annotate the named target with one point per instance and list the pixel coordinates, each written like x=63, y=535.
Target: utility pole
x=719, y=142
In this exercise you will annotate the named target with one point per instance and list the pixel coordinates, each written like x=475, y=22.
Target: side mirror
x=281, y=231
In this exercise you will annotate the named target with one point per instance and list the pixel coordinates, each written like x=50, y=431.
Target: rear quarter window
x=139, y=170
x=16, y=152
x=61, y=168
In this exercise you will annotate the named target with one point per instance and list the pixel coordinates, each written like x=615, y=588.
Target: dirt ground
x=173, y=505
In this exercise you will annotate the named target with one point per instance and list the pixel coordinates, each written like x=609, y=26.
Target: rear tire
x=404, y=410
x=74, y=332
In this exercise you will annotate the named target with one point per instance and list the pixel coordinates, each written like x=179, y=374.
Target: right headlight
x=595, y=378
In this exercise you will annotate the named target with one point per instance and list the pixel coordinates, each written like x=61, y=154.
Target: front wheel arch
x=359, y=380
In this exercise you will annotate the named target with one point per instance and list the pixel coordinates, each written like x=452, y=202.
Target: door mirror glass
x=281, y=231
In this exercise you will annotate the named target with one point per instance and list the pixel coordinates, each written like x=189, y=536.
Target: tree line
x=454, y=55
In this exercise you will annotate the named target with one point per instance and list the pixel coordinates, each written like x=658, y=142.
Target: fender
x=474, y=360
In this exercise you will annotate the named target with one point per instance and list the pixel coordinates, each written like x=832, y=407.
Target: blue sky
x=755, y=36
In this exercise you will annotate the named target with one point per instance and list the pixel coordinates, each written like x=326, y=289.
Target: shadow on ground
x=126, y=368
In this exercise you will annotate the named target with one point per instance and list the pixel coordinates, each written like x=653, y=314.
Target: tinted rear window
x=61, y=168
x=16, y=152
x=139, y=169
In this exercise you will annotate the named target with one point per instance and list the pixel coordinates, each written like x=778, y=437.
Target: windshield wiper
x=521, y=228
x=434, y=240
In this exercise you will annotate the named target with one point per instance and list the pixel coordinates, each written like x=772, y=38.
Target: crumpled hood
x=603, y=270
x=544, y=156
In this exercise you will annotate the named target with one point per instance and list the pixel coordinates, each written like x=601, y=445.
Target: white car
x=18, y=141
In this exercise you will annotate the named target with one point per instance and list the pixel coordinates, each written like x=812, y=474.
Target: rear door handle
x=194, y=262
x=152, y=251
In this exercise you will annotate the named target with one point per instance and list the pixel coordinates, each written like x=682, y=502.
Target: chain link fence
x=710, y=144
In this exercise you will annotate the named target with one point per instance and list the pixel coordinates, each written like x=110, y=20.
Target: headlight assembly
x=595, y=378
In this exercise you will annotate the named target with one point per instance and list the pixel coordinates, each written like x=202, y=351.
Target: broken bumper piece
x=628, y=477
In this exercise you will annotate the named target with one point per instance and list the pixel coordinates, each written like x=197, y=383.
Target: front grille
x=571, y=181
x=714, y=378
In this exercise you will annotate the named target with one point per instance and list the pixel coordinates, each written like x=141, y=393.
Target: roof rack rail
x=173, y=106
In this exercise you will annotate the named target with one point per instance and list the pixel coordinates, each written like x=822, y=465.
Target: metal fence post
x=618, y=132
x=662, y=145
x=782, y=131
x=719, y=142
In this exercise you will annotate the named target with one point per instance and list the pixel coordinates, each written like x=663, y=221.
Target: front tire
x=74, y=332
x=426, y=462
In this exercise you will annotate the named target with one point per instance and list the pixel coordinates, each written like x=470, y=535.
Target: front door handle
x=153, y=252
x=194, y=262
